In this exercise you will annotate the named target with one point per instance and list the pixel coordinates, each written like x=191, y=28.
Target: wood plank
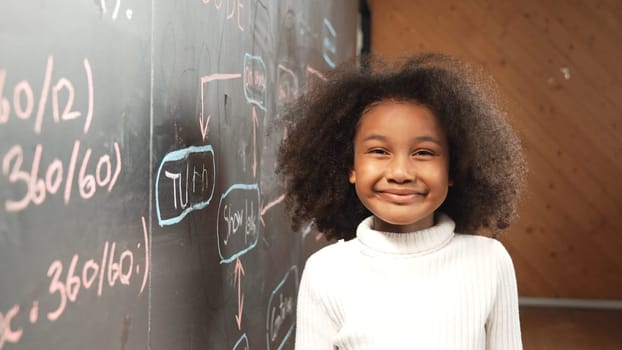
x=570, y=329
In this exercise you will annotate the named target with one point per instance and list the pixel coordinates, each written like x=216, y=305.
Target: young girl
x=404, y=164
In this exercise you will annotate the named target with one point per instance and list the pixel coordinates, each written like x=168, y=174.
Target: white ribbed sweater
x=430, y=289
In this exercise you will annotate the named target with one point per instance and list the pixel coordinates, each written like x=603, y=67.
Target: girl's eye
x=378, y=151
x=423, y=153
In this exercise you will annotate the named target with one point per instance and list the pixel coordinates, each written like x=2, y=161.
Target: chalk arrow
x=266, y=207
x=237, y=278
x=204, y=80
x=204, y=124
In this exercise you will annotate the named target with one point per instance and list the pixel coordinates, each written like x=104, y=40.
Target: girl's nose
x=401, y=170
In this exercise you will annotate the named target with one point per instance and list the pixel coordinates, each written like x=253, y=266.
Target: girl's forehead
x=396, y=103
x=393, y=119
x=390, y=111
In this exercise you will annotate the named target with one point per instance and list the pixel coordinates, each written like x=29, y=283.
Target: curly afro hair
x=486, y=162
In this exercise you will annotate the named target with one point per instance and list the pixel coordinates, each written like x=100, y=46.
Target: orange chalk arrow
x=237, y=278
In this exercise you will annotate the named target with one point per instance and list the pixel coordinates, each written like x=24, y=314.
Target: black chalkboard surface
x=138, y=203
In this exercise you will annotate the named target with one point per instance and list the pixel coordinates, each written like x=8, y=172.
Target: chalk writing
x=23, y=102
x=36, y=188
x=115, y=11
x=255, y=81
x=238, y=219
x=187, y=177
x=7, y=333
x=114, y=265
x=111, y=268
x=280, y=319
x=232, y=8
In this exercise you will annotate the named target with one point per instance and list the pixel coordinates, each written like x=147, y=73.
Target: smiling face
x=401, y=165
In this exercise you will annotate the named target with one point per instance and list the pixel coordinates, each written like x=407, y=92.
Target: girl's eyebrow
x=422, y=138
x=374, y=137
x=429, y=138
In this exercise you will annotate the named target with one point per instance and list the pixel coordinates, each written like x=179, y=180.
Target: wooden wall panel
x=558, y=66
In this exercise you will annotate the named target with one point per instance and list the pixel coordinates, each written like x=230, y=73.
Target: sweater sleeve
x=315, y=328
x=503, y=325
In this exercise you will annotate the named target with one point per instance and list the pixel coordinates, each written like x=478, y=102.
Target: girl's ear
x=450, y=182
x=352, y=176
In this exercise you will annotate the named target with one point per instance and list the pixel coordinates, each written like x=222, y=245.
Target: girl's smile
x=401, y=196
x=401, y=165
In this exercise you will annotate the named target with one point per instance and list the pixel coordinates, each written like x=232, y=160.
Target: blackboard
x=138, y=203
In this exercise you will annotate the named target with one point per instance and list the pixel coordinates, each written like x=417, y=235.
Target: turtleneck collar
x=410, y=243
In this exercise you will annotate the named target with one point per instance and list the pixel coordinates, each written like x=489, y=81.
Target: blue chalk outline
x=243, y=337
x=294, y=268
x=247, y=187
x=327, y=44
x=251, y=100
x=177, y=155
x=330, y=27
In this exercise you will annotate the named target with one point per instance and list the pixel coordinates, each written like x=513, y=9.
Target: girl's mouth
x=401, y=196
